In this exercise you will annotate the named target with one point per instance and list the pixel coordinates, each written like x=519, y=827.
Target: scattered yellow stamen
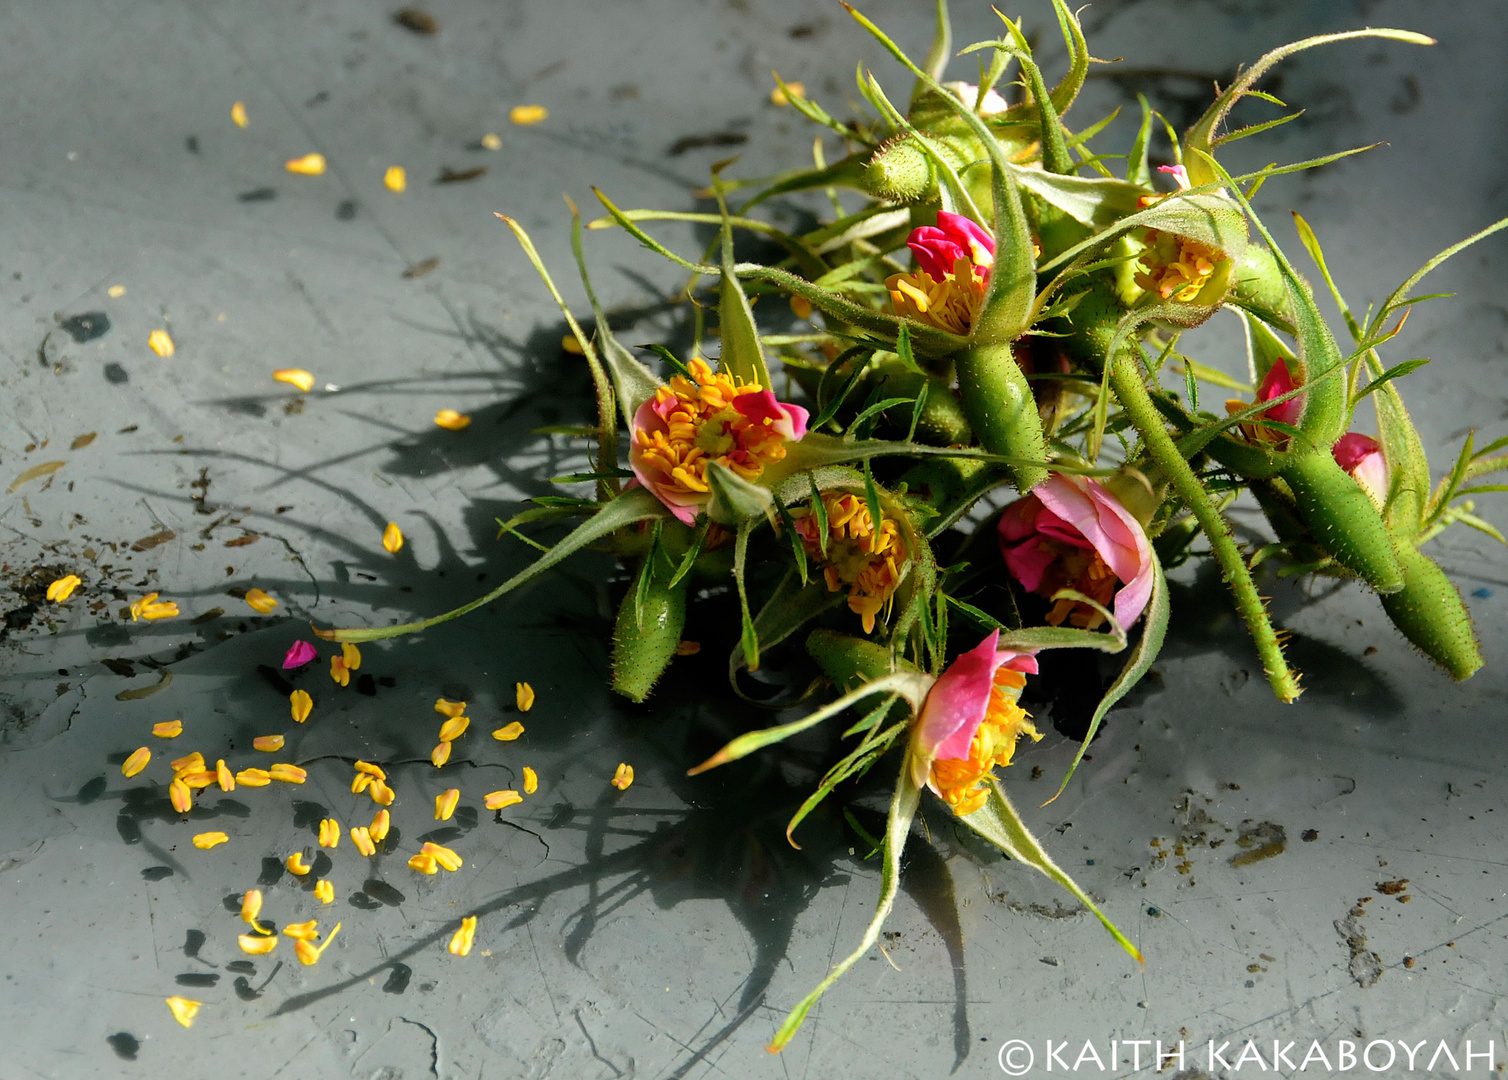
x=63, y=587
x=253, y=778
x=302, y=931
x=309, y=953
x=451, y=420
x=492, y=141
x=268, y=744
x=454, y=728
x=308, y=165
x=180, y=796
x=1175, y=268
x=115, y=292
x=531, y=781
x=447, y=858
x=361, y=836
x=571, y=345
x=392, y=537
x=623, y=777
x=396, y=179
x=259, y=601
x=296, y=865
x=160, y=343
x=329, y=832
x=168, y=729
x=351, y=655
x=188, y=763
x=450, y=708
x=778, y=96
x=206, y=840
x=371, y=770
x=869, y=560
x=949, y=304
x=238, y=114
x=301, y=705
x=460, y=941
x=445, y=803
x=360, y=782
x=381, y=822
x=527, y=114
x=509, y=733
x=288, y=774
x=501, y=800
x=198, y=778
x=324, y=892
x=298, y=377
x=338, y=671
x=257, y=944
x=136, y=762
x=424, y=863
x=184, y=1009
x=381, y=794
x=224, y=777
x=523, y=695
x=251, y=906
x=440, y=755
x=149, y=607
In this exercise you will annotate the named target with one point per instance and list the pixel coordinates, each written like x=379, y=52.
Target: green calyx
x=1429, y=611
x=648, y=629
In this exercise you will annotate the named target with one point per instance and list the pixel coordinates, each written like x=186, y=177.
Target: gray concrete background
x=663, y=932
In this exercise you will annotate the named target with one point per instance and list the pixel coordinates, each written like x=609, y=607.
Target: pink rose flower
x=1070, y=532
x=1361, y=456
x=299, y=654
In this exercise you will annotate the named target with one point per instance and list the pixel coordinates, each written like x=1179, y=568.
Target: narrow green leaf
x=1395, y=372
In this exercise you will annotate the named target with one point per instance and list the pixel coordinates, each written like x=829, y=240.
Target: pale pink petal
x=1028, y=561
x=1178, y=173
x=1110, y=529
x=788, y=420
x=647, y=418
x=956, y=703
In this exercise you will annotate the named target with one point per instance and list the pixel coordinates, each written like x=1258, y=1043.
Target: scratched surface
x=664, y=931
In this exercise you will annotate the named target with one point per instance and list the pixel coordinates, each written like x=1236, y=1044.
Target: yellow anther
x=531, y=781
x=460, y=941
x=257, y=944
x=63, y=587
x=136, y=762
x=454, y=728
x=259, y=601
x=184, y=1009
x=308, y=165
x=381, y=794
x=251, y=906
x=445, y=803
x=509, y=733
x=623, y=777
x=324, y=892
x=424, y=863
x=396, y=179
x=392, y=537
x=288, y=774
x=206, y=840
x=197, y=778
x=168, y=729
x=440, y=755
x=527, y=114
x=303, y=931
x=492, y=141
x=296, y=865
x=149, y=608
x=309, y=953
x=351, y=655
x=238, y=114
x=361, y=836
x=223, y=776
x=444, y=856
x=298, y=377
x=381, y=822
x=268, y=744
x=451, y=420
x=450, y=708
x=301, y=704
x=329, y=832
x=360, y=782
x=188, y=763
x=160, y=343
x=501, y=800
x=180, y=796
x=253, y=778
x=371, y=770
x=338, y=670
x=524, y=696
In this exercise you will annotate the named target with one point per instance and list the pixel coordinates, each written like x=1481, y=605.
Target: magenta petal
x=1028, y=561
x=1352, y=448
x=956, y=703
x=788, y=420
x=299, y=654
x=1277, y=383
x=969, y=236
x=1019, y=519
x=1112, y=531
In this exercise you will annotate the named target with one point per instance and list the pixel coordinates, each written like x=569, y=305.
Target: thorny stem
x=1137, y=403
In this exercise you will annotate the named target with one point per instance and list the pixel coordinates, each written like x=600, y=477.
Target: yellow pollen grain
x=396, y=179
x=451, y=420
x=259, y=601
x=440, y=755
x=361, y=836
x=450, y=708
x=381, y=794
x=509, y=733
x=253, y=778
x=571, y=345
x=238, y=114
x=381, y=822
x=257, y=944
x=454, y=728
x=168, y=729
x=492, y=141
x=183, y=1009
x=268, y=744
x=206, y=840
x=224, y=777
x=298, y=377
x=251, y=905
x=288, y=774
x=460, y=941
x=531, y=781
x=136, y=762
x=623, y=777
x=351, y=655
x=324, y=892
x=445, y=803
x=338, y=671
x=160, y=342
x=296, y=865
x=329, y=832
x=115, y=292
x=524, y=115
x=301, y=705
x=501, y=800
x=523, y=696
x=308, y=165
x=392, y=538
x=63, y=587
x=180, y=796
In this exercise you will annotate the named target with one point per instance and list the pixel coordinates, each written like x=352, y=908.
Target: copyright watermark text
x=1018, y=1057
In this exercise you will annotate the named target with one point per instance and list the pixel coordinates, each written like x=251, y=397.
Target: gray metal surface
x=663, y=931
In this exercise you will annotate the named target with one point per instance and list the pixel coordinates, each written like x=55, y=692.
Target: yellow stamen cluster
x=869, y=561
x=949, y=304
x=962, y=784
x=1175, y=268
x=702, y=426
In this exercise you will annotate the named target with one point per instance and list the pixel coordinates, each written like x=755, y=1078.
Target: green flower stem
x=998, y=401
x=1132, y=394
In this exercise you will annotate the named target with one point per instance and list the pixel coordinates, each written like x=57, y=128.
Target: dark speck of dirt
x=417, y=20
x=398, y=979
x=1262, y=841
x=261, y=194
x=86, y=327
x=209, y=616
x=157, y=873
x=366, y=685
x=460, y=176
x=124, y=668
x=346, y=211
x=1309, y=836
x=124, y=1044
x=1156, y=913
x=387, y=681
x=801, y=30
x=197, y=978
x=116, y=374
x=419, y=269
x=713, y=139
x=1392, y=888
x=92, y=791
x=191, y=144
x=382, y=892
